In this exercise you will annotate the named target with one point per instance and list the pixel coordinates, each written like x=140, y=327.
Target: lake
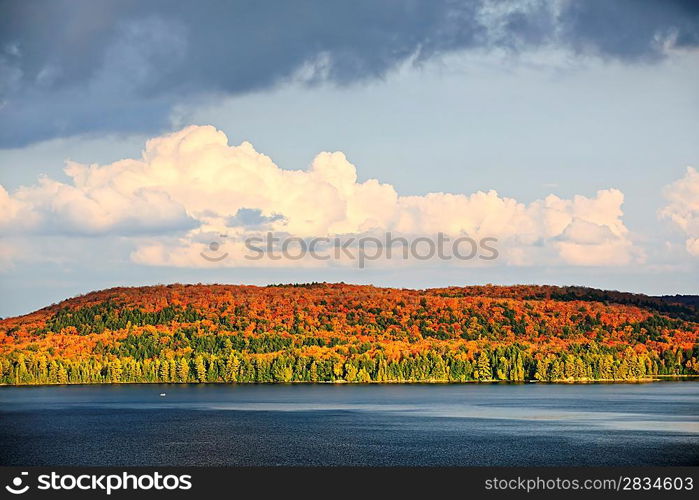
x=471, y=424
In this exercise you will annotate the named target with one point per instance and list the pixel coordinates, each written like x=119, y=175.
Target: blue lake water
x=498, y=424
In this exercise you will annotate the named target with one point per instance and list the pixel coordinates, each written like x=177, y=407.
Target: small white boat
x=162, y=394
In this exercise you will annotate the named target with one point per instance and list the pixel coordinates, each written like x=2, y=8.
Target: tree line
x=511, y=363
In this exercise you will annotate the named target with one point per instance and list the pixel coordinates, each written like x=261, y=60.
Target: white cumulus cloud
x=191, y=186
x=683, y=208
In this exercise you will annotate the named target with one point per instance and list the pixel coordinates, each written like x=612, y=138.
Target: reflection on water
x=356, y=425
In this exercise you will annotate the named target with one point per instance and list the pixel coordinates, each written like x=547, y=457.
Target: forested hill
x=349, y=333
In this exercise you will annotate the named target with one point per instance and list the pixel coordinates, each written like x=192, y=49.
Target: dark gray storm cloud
x=630, y=29
x=78, y=66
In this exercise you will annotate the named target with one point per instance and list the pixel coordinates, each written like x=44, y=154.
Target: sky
x=149, y=142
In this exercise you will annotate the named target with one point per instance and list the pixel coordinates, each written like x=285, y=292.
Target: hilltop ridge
x=350, y=333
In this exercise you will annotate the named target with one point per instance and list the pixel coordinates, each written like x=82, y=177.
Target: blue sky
x=568, y=130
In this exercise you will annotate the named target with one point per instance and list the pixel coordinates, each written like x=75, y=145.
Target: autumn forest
x=349, y=333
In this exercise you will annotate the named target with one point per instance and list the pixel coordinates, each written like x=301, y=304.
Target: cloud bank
x=191, y=186
x=77, y=66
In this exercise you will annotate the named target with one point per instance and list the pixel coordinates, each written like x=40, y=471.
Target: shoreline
x=646, y=380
